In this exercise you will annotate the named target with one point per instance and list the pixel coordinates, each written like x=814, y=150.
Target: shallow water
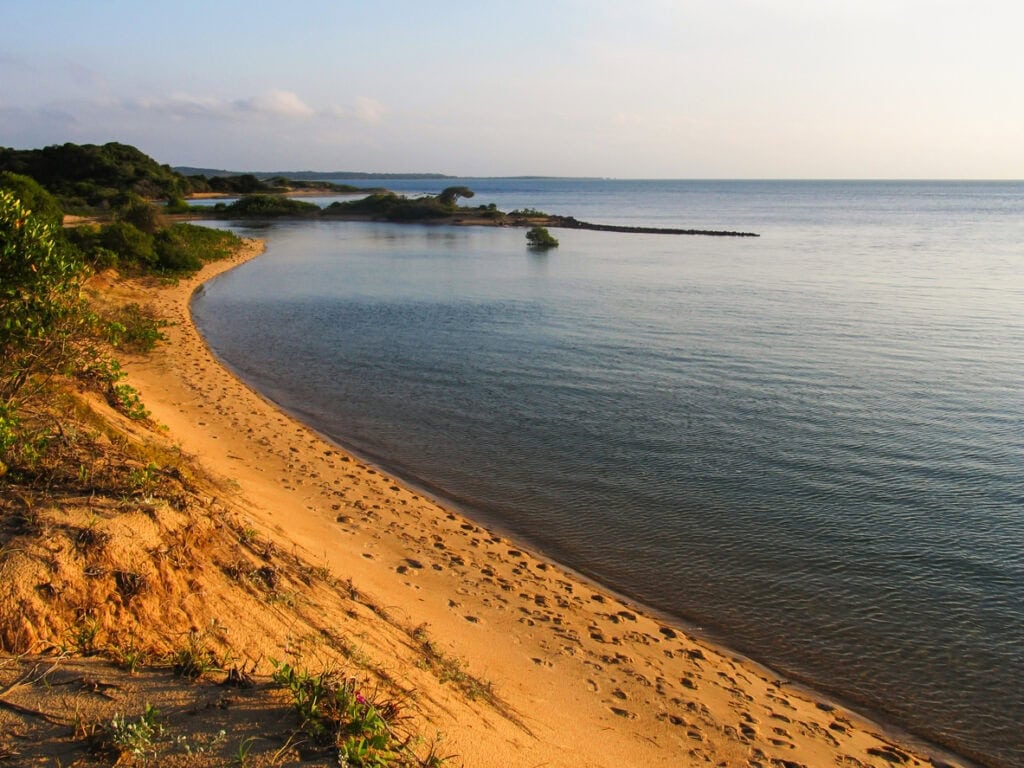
x=810, y=443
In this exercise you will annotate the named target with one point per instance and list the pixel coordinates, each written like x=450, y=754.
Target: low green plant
x=84, y=637
x=126, y=399
x=241, y=759
x=129, y=657
x=135, y=329
x=136, y=737
x=24, y=438
x=195, y=658
x=143, y=479
x=334, y=712
x=201, y=744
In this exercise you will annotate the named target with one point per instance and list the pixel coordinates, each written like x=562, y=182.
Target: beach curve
x=587, y=678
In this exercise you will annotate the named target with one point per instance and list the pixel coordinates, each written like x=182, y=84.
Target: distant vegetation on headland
x=126, y=231
x=118, y=182
x=186, y=170
x=87, y=179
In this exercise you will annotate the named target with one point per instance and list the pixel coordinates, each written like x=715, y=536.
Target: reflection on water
x=811, y=443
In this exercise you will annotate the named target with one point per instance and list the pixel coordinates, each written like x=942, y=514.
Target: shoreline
x=597, y=679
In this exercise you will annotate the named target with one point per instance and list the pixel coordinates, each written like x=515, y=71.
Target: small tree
x=540, y=238
x=450, y=196
x=43, y=318
x=133, y=247
x=142, y=215
x=40, y=282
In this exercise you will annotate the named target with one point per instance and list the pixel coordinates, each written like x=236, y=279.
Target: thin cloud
x=273, y=105
x=185, y=106
x=368, y=110
x=280, y=103
x=363, y=110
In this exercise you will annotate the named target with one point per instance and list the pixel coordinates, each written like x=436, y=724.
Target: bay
x=810, y=443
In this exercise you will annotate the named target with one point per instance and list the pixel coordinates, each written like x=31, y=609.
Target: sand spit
x=566, y=674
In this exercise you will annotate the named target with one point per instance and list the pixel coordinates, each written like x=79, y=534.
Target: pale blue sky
x=639, y=89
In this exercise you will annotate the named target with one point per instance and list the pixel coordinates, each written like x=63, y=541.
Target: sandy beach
x=572, y=674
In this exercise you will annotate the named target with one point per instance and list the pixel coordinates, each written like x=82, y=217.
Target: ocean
x=808, y=444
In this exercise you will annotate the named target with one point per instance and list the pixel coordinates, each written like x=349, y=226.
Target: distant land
x=186, y=170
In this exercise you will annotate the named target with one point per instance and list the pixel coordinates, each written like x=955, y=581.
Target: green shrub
x=184, y=247
x=271, y=205
x=40, y=297
x=133, y=328
x=391, y=207
x=141, y=214
x=134, y=248
x=528, y=213
x=45, y=325
x=540, y=238
x=173, y=253
x=177, y=205
x=41, y=203
x=450, y=195
x=89, y=176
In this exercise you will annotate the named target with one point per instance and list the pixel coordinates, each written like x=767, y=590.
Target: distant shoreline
x=464, y=216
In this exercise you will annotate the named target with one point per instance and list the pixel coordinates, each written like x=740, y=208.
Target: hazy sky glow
x=638, y=89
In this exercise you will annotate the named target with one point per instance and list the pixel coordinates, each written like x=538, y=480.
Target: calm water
x=810, y=443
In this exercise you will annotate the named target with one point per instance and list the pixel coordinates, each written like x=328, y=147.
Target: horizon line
x=428, y=175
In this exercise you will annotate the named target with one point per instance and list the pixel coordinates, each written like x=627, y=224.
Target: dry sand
x=580, y=677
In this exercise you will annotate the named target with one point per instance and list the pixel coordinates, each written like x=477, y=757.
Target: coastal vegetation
x=134, y=235
x=267, y=206
x=388, y=206
x=110, y=180
x=108, y=527
x=86, y=178
x=33, y=197
x=50, y=333
x=144, y=242
x=539, y=238
x=45, y=329
x=249, y=184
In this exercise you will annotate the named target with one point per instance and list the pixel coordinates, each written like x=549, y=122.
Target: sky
x=638, y=89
